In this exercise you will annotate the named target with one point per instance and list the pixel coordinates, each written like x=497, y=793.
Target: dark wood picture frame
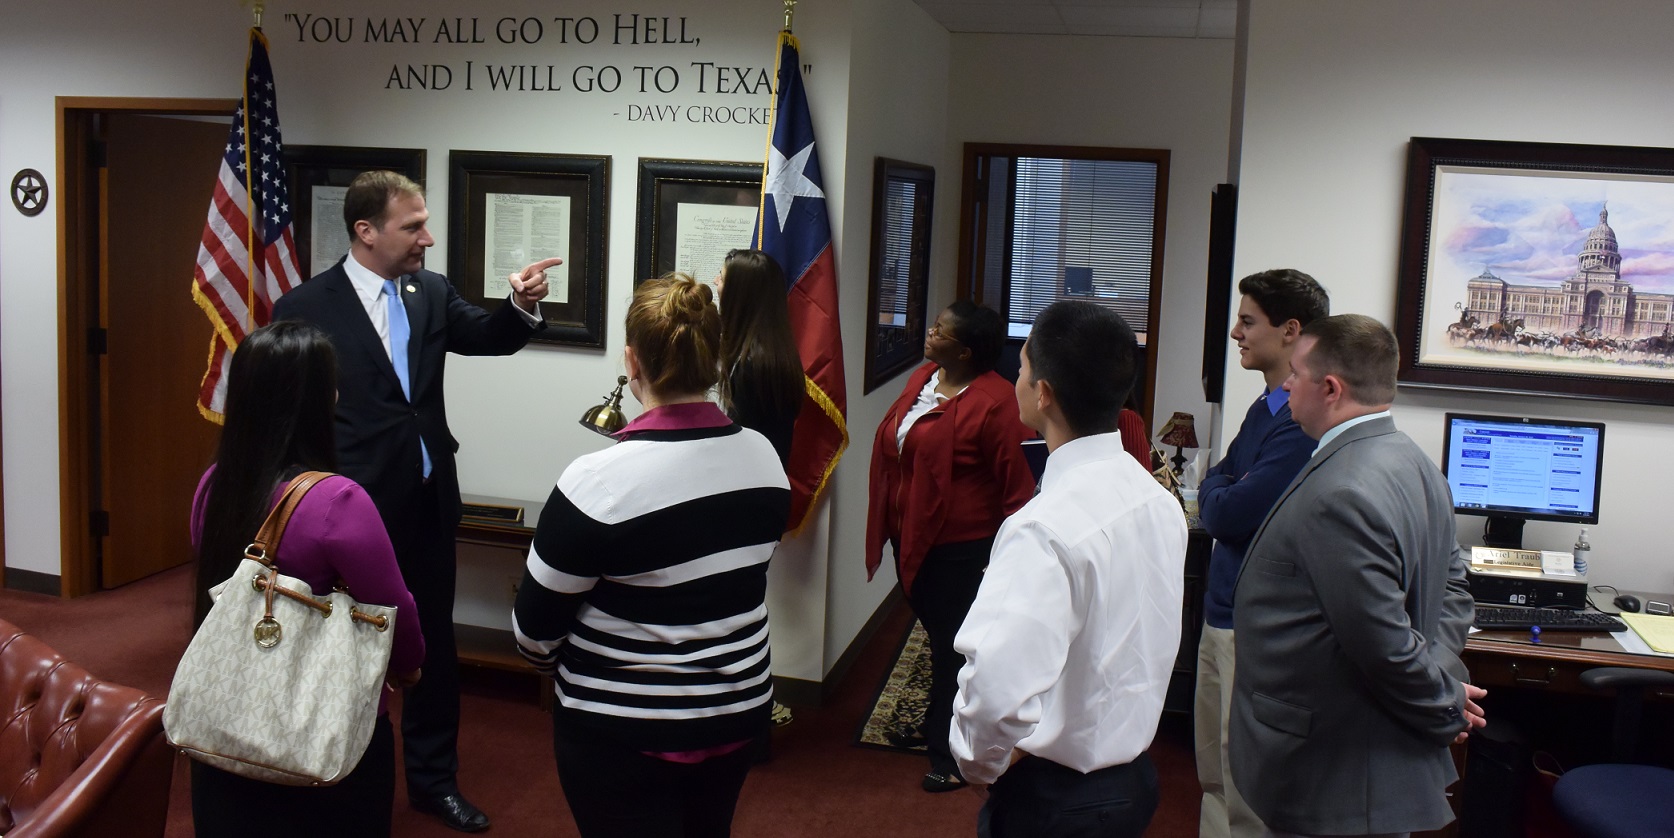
x=574, y=314
x=666, y=184
x=898, y=286
x=1587, y=336
x=312, y=166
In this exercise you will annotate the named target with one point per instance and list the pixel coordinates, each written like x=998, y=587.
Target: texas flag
x=793, y=228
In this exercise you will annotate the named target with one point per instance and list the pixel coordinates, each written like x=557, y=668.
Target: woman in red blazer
x=947, y=468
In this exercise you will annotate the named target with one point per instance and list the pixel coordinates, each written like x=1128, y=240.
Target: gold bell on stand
x=607, y=418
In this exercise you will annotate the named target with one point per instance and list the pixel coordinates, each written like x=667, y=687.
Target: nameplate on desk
x=1503, y=560
x=491, y=513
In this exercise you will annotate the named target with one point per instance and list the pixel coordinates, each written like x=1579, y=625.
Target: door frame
x=78, y=282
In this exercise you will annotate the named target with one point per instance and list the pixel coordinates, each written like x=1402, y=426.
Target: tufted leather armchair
x=78, y=756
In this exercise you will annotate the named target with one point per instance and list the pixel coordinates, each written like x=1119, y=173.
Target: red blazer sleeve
x=1134, y=438
x=1003, y=433
x=881, y=481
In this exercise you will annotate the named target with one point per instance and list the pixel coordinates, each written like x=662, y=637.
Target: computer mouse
x=1628, y=603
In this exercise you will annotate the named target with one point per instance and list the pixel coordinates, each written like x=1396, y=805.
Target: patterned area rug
x=902, y=698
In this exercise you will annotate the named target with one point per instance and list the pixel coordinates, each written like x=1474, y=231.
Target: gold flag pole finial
x=256, y=9
x=790, y=11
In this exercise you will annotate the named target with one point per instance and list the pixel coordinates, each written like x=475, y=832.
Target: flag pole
x=256, y=10
x=249, y=190
x=790, y=10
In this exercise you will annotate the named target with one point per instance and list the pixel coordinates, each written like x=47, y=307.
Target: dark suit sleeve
x=1356, y=572
x=1232, y=506
x=474, y=331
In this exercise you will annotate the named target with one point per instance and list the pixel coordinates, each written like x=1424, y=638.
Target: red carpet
x=817, y=784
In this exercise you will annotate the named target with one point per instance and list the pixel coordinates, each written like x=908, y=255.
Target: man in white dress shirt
x=1070, y=642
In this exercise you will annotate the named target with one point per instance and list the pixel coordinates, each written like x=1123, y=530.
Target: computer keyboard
x=1519, y=618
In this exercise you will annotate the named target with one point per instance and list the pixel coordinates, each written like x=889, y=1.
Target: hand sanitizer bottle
x=1582, y=548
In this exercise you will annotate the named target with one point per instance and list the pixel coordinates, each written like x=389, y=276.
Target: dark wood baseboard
x=33, y=581
x=846, y=660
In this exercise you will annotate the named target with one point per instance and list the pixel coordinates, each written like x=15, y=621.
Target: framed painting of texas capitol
x=1538, y=267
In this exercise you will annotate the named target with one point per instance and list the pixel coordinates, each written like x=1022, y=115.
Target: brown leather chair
x=78, y=756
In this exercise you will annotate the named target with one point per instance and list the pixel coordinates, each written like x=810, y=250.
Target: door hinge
x=96, y=341
x=100, y=523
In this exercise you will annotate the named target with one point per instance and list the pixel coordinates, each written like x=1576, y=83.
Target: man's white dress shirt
x=1069, y=645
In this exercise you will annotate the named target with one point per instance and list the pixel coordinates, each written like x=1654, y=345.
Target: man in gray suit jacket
x=1351, y=612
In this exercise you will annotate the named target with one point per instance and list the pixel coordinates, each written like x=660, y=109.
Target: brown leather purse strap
x=265, y=548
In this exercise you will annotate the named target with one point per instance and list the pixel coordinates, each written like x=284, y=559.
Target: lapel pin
x=412, y=289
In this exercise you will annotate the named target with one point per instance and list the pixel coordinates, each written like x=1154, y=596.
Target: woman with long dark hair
x=281, y=392
x=947, y=468
x=761, y=373
x=645, y=594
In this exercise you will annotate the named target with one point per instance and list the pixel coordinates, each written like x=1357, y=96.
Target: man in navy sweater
x=1234, y=498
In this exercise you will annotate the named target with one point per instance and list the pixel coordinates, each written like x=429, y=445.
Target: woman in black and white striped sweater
x=644, y=592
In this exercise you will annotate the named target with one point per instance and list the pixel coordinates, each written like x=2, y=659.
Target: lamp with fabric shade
x=1180, y=432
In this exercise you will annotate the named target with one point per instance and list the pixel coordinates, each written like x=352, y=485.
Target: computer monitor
x=1514, y=469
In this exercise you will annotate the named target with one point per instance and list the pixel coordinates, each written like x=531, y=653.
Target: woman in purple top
x=281, y=392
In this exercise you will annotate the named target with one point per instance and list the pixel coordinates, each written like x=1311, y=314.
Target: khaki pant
x=1223, y=813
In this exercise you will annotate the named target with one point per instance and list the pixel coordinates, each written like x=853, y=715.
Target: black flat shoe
x=906, y=738
x=453, y=810
x=935, y=782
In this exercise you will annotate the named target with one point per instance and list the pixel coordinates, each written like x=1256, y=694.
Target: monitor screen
x=1524, y=469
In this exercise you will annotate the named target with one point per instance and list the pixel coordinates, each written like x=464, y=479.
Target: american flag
x=247, y=258
x=793, y=227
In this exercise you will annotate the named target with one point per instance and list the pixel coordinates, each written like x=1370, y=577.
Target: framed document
x=509, y=210
x=319, y=177
x=691, y=212
x=902, y=197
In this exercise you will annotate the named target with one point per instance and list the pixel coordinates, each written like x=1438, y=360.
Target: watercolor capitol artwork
x=1520, y=277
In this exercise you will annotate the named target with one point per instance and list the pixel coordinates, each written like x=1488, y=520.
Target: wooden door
x=152, y=443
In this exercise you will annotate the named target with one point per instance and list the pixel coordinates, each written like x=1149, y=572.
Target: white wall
x=1167, y=93
x=1334, y=92
x=899, y=76
x=515, y=417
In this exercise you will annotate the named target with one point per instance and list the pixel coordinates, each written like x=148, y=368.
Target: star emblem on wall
x=29, y=192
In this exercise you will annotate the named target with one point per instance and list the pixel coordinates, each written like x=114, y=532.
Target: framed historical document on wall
x=896, y=292
x=507, y=210
x=691, y=212
x=319, y=177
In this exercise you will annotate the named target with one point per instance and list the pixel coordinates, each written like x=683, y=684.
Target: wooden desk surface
x=1510, y=658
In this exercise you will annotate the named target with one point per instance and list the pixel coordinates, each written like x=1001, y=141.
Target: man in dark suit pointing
x=392, y=324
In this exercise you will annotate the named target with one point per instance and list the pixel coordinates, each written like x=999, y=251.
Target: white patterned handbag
x=279, y=684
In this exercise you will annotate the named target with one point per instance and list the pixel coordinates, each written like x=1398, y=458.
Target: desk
x=1508, y=659
x=483, y=646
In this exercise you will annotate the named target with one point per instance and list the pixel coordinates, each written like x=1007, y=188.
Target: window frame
x=974, y=210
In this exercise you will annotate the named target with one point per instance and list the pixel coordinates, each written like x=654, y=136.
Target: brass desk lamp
x=607, y=418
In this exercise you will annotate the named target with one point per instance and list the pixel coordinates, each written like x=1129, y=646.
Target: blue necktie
x=399, y=331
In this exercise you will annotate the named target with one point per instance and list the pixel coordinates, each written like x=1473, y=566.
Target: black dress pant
x=1038, y=798
x=426, y=551
x=617, y=792
x=225, y=804
x=941, y=595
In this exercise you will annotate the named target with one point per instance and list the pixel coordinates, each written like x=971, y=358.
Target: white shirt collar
x=367, y=284
x=1326, y=438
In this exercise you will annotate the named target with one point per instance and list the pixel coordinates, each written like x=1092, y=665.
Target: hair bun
x=687, y=300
